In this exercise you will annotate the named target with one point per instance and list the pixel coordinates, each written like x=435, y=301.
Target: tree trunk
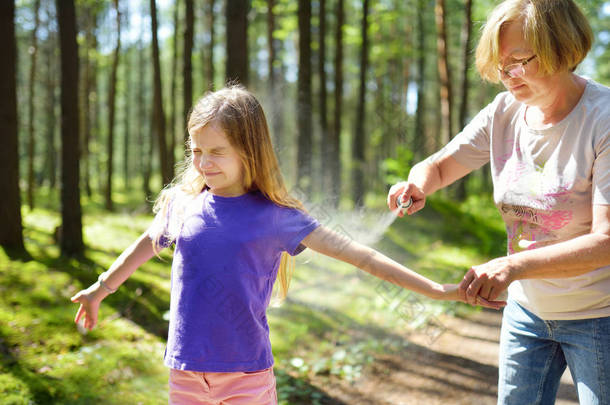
x=188, y=65
x=173, y=88
x=466, y=34
x=71, y=235
x=335, y=139
x=324, y=133
x=146, y=157
x=11, y=231
x=96, y=119
x=237, y=41
x=275, y=112
x=358, y=155
x=31, y=107
x=50, y=164
x=88, y=89
x=158, y=115
x=127, y=167
x=304, y=107
x=419, y=138
x=210, y=65
x=443, y=71
x=271, y=46
x=112, y=110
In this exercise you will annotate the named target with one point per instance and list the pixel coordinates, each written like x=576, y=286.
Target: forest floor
x=459, y=367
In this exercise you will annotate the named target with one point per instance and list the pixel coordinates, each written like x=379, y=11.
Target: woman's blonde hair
x=557, y=31
x=240, y=116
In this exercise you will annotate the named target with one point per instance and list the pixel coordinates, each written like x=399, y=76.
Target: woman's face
x=527, y=88
x=217, y=161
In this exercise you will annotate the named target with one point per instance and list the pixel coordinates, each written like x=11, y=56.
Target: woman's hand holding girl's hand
x=89, y=301
x=451, y=292
x=487, y=280
x=409, y=190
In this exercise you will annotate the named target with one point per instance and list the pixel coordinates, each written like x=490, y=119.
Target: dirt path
x=460, y=367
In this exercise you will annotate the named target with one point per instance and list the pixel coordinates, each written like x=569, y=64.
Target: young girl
x=233, y=225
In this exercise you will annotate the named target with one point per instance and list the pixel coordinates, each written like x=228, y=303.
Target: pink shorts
x=235, y=388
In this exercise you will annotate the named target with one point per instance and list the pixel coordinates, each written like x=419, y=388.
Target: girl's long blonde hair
x=241, y=117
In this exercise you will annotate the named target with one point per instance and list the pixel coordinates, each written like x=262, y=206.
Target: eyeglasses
x=515, y=70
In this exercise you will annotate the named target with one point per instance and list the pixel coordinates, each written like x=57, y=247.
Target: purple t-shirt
x=227, y=255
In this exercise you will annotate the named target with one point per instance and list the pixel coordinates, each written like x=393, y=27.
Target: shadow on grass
x=297, y=391
x=17, y=254
x=39, y=386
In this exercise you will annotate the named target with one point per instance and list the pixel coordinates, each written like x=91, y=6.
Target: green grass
x=334, y=322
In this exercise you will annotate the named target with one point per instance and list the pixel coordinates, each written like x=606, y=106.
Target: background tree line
x=95, y=94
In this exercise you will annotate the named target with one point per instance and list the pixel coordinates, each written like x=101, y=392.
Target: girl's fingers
x=491, y=304
x=85, y=313
x=92, y=321
x=464, y=284
x=474, y=290
x=79, y=314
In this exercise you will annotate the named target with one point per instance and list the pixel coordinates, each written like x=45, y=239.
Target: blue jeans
x=534, y=354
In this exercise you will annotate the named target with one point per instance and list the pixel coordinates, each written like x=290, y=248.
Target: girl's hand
x=89, y=300
x=409, y=190
x=451, y=292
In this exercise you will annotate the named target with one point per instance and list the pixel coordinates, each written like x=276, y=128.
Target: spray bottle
x=403, y=205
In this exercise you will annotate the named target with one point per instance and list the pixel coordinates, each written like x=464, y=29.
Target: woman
x=548, y=143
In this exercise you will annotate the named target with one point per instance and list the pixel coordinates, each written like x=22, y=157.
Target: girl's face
x=527, y=88
x=217, y=161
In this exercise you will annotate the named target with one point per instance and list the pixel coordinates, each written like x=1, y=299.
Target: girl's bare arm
x=330, y=243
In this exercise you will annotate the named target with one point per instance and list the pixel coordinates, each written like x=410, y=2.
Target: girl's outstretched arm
x=341, y=247
x=133, y=257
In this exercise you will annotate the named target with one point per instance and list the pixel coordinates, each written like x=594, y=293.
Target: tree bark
x=112, y=111
x=158, y=123
x=127, y=111
x=443, y=71
x=358, y=155
x=323, y=95
x=173, y=87
x=419, y=138
x=71, y=236
x=237, y=41
x=335, y=139
x=31, y=105
x=304, y=107
x=466, y=37
x=50, y=164
x=210, y=65
x=127, y=167
x=88, y=89
x=275, y=112
x=188, y=65
x=11, y=231
x=146, y=157
x=271, y=45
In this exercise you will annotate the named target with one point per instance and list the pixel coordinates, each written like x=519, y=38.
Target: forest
x=95, y=95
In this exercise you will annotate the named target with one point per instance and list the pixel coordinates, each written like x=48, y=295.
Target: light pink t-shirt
x=545, y=183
